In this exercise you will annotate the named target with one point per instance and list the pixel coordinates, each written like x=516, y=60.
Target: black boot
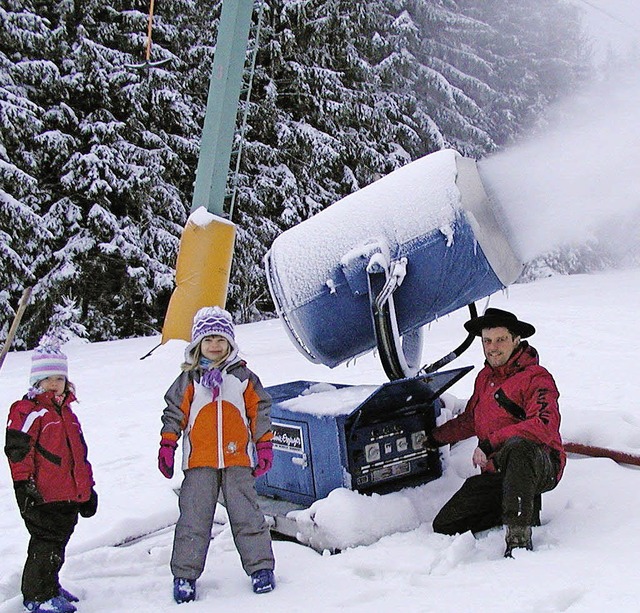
x=518, y=537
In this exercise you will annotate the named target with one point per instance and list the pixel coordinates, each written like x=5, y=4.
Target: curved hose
x=425, y=370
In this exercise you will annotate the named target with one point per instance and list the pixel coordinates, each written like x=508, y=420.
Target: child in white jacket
x=224, y=413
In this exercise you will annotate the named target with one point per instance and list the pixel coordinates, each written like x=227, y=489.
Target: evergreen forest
x=98, y=152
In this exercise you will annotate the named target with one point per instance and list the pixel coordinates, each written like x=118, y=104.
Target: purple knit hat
x=211, y=321
x=47, y=361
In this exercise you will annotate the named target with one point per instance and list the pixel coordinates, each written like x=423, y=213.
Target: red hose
x=602, y=452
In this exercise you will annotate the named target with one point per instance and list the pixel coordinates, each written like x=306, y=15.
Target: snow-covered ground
x=587, y=552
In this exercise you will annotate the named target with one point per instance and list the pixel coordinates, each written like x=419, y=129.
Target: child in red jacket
x=52, y=477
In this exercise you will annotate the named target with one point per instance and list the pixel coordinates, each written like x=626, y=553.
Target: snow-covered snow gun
x=372, y=269
x=368, y=273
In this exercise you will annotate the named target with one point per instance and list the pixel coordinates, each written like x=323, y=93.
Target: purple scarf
x=211, y=378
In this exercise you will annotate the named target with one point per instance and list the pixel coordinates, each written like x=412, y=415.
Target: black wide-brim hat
x=497, y=318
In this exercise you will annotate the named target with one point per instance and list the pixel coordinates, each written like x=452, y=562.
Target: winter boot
x=68, y=595
x=537, y=508
x=263, y=581
x=184, y=590
x=57, y=604
x=518, y=537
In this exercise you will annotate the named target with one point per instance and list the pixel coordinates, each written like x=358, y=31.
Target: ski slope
x=586, y=551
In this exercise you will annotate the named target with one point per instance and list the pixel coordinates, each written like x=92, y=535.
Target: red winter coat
x=45, y=443
x=519, y=398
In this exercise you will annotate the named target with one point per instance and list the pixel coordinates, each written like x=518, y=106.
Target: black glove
x=89, y=508
x=27, y=495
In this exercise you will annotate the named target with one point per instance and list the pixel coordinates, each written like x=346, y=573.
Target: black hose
x=425, y=370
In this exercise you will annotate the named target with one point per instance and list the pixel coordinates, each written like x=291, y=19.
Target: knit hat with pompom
x=47, y=360
x=211, y=321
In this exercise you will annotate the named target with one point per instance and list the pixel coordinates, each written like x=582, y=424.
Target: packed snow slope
x=586, y=554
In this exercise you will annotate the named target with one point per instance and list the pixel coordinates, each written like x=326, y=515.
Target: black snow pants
x=509, y=496
x=50, y=526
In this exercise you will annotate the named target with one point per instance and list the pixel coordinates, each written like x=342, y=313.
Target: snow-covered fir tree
x=112, y=156
x=346, y=92
x=98, y=150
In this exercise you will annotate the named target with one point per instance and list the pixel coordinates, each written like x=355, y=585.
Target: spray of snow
x=613, y=26
x=577, y=178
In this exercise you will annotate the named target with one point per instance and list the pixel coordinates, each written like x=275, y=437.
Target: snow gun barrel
x=419, y=243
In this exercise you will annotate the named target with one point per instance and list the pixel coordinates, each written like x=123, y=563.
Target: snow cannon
x=373, y=268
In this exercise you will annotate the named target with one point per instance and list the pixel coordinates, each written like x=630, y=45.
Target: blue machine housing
x=376, y=447
x=336, y=325
x=443, y=227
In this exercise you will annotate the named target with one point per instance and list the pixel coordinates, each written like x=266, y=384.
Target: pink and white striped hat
x=47, y=362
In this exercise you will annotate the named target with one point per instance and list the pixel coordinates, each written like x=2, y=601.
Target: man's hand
x=430, y=443
x=479, y=458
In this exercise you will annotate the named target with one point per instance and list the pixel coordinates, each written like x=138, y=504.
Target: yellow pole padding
x=202, y=271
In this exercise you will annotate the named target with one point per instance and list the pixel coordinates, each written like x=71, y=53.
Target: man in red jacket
x=514, y=413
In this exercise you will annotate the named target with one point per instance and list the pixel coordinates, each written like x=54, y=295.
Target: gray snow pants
x=525, y=470
x=198, y=499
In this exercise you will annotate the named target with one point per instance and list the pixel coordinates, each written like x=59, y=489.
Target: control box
x=365, y=438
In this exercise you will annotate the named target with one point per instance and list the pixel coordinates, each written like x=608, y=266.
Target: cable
x=610, y=15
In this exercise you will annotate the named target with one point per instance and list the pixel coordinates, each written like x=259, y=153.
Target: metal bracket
x=400, y=356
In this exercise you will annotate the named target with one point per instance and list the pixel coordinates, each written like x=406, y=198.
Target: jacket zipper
x=221, y=462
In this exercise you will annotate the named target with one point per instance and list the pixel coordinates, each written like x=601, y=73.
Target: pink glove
x=166, y=457
x=265, y=458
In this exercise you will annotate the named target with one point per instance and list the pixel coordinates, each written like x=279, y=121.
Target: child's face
x=214, y=348
x=55, y=384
